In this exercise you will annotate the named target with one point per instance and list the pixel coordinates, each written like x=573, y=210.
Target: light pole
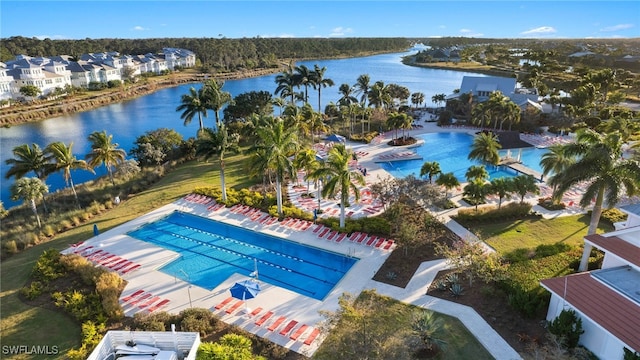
x=188, y=288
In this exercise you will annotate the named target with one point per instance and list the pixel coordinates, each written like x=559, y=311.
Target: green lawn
x=25, y=325
x=506, y=237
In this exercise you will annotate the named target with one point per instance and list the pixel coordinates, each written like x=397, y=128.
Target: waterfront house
x=607, y=299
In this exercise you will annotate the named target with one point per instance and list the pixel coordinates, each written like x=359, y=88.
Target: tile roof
x=612, y=311
x=613, y=244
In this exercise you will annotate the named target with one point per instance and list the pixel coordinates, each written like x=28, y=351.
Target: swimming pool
x=212, y=251
x=450, y=150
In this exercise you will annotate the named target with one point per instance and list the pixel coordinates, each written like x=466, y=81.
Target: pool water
x=450, y=150
x=212, y=251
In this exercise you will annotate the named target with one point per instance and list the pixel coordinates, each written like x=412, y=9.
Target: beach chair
x=128, y=270
x=288, y=328
x=255, y=312
x=235, y=306
x=223, y=303
x=314, y=334
x=380, y=242
x=332, y=235
x=388, y=245
x=158, y=305
x=340, y=237
x=264, y=318
x=139, y=299
x=149, y=302
x=276, y=323
x=324, y=232
x=132, y=295
x=299, y=332
x=371, y=240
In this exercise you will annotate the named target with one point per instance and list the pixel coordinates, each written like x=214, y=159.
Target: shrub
x=48, y=266
x=160, y=321
x=509, y=211
x=200, y=320
x=527, y=302
x=33, y=290
x=456, y=290
x=568, y=327
x=613, y=215
x=10, y=247
x=109, y=286
x=630, y=355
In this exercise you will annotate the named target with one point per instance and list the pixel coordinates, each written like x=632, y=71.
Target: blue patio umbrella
x=245, y=290
x=335, y=138
x=95, y=230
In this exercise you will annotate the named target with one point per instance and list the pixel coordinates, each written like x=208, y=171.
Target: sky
x=140, y=19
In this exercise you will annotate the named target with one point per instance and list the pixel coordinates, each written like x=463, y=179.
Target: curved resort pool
x=450, y=150
x=211, y=251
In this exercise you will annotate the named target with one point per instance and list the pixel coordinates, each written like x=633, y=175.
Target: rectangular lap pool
x=212, y=251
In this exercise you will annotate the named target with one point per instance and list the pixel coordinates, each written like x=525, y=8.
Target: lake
x=129, y=119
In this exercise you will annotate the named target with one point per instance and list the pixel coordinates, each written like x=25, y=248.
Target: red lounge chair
x=94, y=254
x=288, y=328
x=340, y=237
x=158, y=305
x=137, y=300
x=111, y=261
x=81, y=250
x=126, y=271
x=371, y=240
x=223, y=303
x=314, y=334
x=299, y=332
x=276, y=323
x=332, y=235
x=264, y=318
x=255, y=312
x=131, y=296
x=149, y=302
x=388, y=245
x=324, y=232
x=107, y=259
x=235, y=307
x=117, y=264
x=354, y=236
x=380, y=242
x=362, y=237
x=315, y=231
x=125, y=264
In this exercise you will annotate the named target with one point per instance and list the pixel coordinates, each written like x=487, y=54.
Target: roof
x=617, y=246
x=613, y=312
x=488, y=83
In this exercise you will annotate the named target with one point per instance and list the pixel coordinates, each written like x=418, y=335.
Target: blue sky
x=304, y=19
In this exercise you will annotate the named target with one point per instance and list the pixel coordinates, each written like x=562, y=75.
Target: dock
x=517, y=166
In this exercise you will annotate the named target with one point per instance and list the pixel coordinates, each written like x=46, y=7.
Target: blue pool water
x=212, y=251
x=450, y=150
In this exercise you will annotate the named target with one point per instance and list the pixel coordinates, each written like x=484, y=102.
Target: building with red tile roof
x=608, y=299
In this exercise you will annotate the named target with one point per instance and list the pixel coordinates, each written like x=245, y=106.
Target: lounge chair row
x=199, y=199
x=144, y=301
x=379, y=242
x=296, y=224
x=111, y=261
x=275, y=322
x=324, y=232
x=396, y=155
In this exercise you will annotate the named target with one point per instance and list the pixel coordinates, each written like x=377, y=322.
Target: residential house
x=608, y=299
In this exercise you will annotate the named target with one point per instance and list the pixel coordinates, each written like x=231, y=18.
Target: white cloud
x=470, y=33
x=52, y=37
x=539, y=30
x=340, y=31
x=139, y=28
x=617, y=27
x=286, y=36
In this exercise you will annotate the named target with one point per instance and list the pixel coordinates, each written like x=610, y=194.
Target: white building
x=608, y=299
x=47, y=74
x=158, y=345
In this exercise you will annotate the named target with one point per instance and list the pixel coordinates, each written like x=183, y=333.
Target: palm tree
x=476, y=172
x=417, y=98
x=606, y=174
x=475, y=191
x=502, y=187
x=347, y=97
x=307, y=161
x=379, y=95
x=211, y=143
x=26, y=159
x=555, y=161
x=319, y=81
x=524, y=184
x=485, y=148
x=286, y=84
x=303, y=77
x=28, y=190
x=430, y=168
x=276, y=144
x=214, y=98
x=448, y=181
x=64, y=160
x=104, y=151
x=193, y=104
x=341, y=179
x=363, y=87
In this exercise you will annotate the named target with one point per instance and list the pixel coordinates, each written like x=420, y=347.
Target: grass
x=505, y=237
x=25, y=325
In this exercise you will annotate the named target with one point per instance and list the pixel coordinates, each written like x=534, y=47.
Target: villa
x=608, y=299
x=49, y=73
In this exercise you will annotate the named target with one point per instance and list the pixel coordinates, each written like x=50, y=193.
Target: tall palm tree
x=104, y=151
x=347, y=97
x=286, y=84
x=341, y=179
x=524, y=184
x=476, y=192
x=307, y=161
x=214, y=98
x=363, y=87
x=476, y=172
x=502, y=187
x=193, y=104
x=485, y=148
x=417, y=98
x=319, y=81
x=26, y=159
x=211, y=143
x=430, y=168
x=28, y=190
x=379, y=95
x=303, y=77
x=606, y=174
x=448, y=181
x=555, y=161
x=64, y=160
x=276, y=143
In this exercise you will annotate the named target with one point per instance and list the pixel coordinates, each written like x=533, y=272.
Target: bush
x=160, y=321
x=200, y=320
x=509, y=211
x=48, y=266
x=568, y=327
x=528, y=303
x=109, y=286
x=33, y=290
x=613, y=215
